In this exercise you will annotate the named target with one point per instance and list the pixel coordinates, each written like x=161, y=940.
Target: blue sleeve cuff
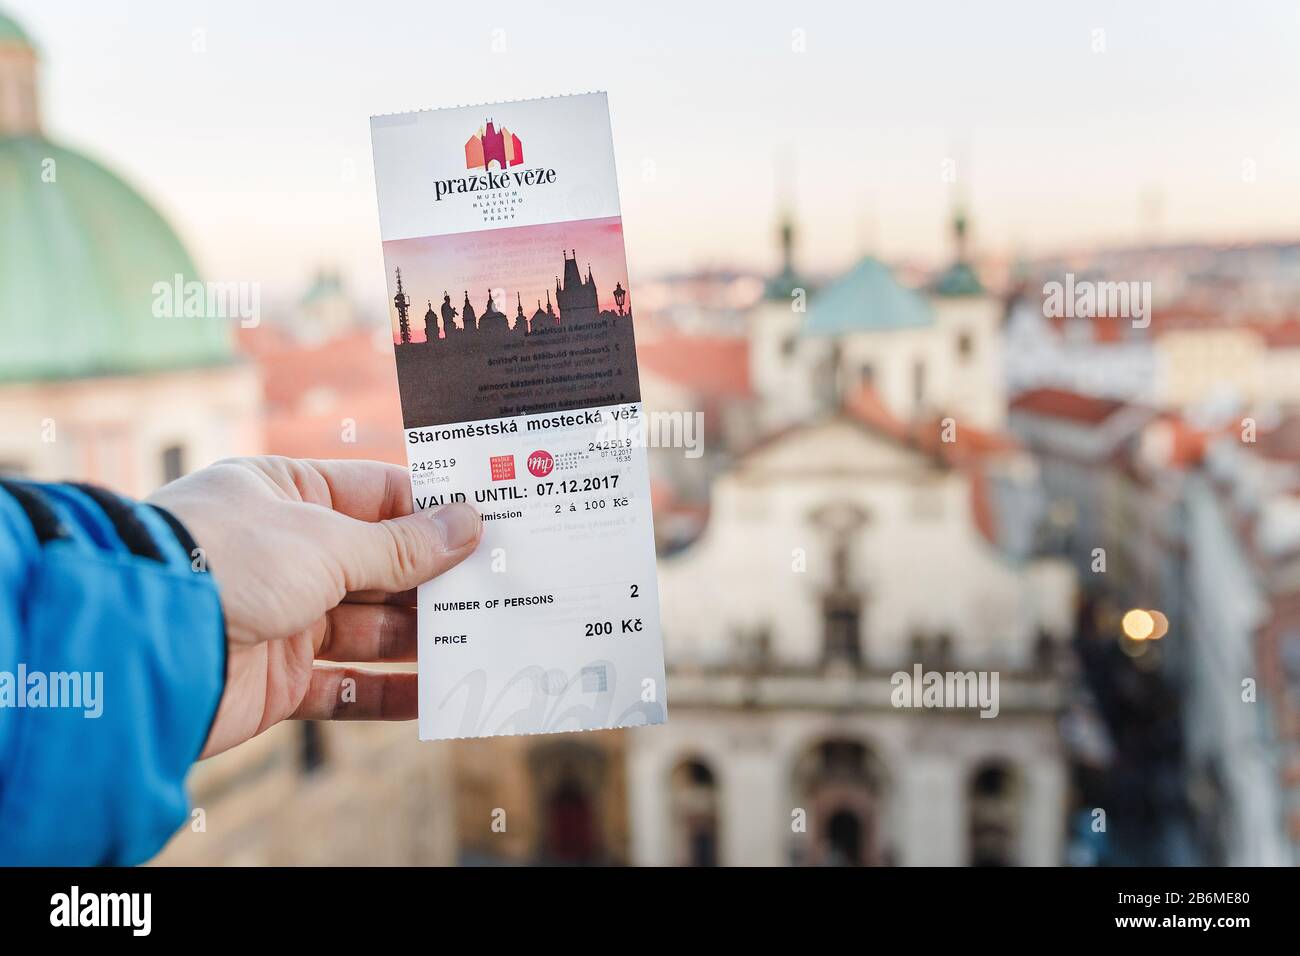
x=131, y=650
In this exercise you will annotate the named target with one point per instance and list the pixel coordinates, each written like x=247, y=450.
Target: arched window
x=993, y=796
x=694, y=802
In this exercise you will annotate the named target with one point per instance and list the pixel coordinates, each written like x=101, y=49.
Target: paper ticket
x=512, y=318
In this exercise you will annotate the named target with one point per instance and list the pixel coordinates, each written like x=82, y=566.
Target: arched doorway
x=844, y=838
x=694, y=805
x=569, y=829
x=994, y=801
x=569, y=782
x=841, y=786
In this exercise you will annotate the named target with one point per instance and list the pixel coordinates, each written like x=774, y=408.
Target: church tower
x=468, y=319
x=576, y=298
x=493, y=320
x=969, y=322
x=789, y=371
x=430, y=324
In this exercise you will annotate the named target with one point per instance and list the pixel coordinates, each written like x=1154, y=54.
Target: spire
x=784, y=168
x=959, y=278
x=787, y=243
x=959, y=231
x=402, y=302
x=786, y=280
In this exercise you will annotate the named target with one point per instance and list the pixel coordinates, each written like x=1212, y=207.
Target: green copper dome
x=867, y=298
x=79, y=257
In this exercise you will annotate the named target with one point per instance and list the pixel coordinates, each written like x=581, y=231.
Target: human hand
x=315, y=561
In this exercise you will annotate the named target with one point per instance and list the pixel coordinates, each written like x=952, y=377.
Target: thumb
x=400, y=553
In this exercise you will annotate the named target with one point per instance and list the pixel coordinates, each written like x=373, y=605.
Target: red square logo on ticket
x=503, y=467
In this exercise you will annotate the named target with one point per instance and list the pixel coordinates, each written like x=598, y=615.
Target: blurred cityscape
x=901, y=468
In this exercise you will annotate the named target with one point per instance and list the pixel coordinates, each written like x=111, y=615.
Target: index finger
x=365, y=490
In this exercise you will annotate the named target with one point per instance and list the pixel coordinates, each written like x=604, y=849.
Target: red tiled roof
x=1109, y=329
x=1059, y=403
x=1186, y=444
x=969, y=444
x=348, y=363
x=970, y=447
x=373, y=429
x=711, y=366
x=1279, y=335
x=335, y=399
x=864, y=405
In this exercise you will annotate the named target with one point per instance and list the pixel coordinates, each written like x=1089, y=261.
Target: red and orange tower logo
x=490, y=144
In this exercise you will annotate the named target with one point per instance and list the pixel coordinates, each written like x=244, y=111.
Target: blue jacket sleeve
x=112, y=662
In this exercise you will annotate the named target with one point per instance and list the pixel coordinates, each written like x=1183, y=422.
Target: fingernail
x=457, y=523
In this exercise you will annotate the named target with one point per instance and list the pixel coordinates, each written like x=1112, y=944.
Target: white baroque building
x=836, y=554
x=924, y=352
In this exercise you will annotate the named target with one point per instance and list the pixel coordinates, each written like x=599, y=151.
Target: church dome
x=867, y=298
x=80, y=254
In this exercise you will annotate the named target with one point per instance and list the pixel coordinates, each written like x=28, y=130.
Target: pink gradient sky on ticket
x=519, y=259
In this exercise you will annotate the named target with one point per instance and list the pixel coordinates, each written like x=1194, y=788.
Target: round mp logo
x=540, y=463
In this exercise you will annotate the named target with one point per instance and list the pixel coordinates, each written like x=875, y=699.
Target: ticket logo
x=541, y=464
x=503, y=467
x=491, y=145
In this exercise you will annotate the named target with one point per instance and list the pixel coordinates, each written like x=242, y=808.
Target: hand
x=314, y=560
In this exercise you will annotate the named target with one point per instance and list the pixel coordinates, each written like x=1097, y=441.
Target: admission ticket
x=512, y=326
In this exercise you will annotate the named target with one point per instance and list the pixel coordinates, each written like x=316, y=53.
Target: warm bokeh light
x=1138, y=624
x=1161, y=624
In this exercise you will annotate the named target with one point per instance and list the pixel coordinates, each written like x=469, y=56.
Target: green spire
x=960, y=278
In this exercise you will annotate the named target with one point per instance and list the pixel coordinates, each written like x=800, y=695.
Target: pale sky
x=257, y=145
